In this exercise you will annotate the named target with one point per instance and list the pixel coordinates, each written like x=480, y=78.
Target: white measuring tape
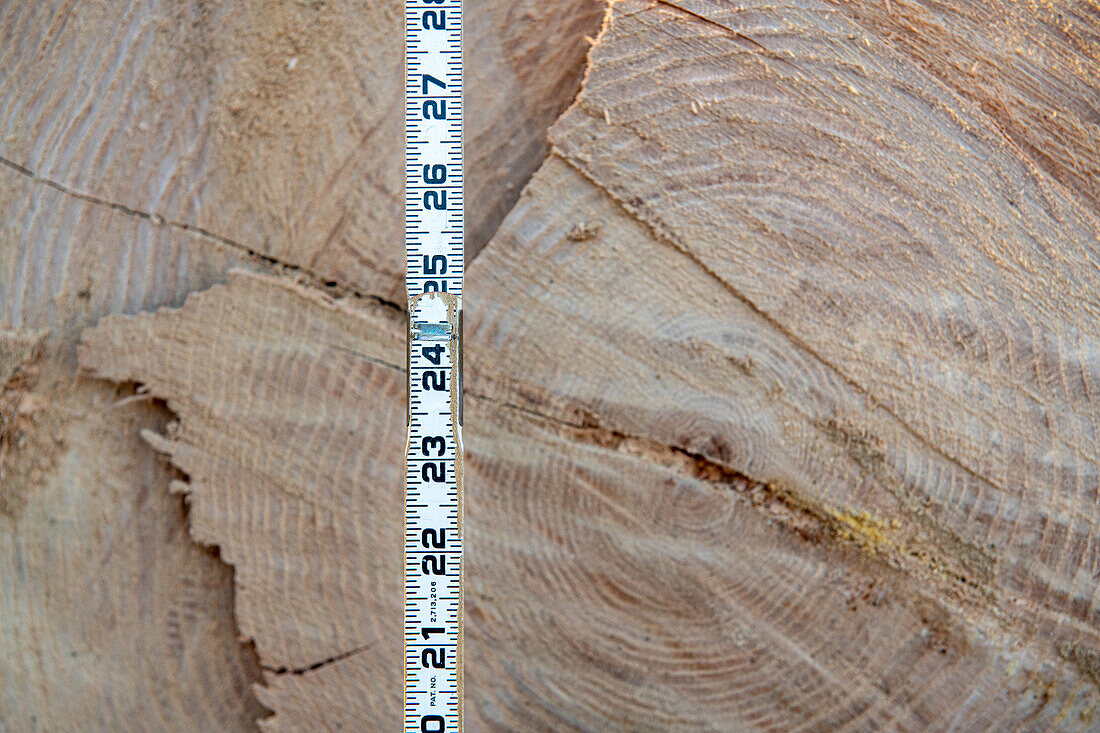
x=434, y=227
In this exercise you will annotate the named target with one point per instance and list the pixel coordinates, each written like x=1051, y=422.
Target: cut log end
x=780, y=393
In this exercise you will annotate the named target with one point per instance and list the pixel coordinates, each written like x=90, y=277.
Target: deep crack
x=317, y=665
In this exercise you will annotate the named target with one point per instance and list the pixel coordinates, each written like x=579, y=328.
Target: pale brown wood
x=102, y=593
x=302, y=497
x=780, y=393
x=113, y=619
x=664, y=353
x=609, y=576
x=775, y=420
x=956, y=298
x=19, y=355
x=1031, y=67
x=275, y=128
x=144, y=151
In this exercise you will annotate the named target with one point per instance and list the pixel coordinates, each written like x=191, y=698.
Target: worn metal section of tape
x=434, y=230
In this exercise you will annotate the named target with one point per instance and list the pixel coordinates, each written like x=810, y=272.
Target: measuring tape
x=434, y=253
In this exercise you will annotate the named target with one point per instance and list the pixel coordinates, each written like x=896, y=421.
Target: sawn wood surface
x=780, y=397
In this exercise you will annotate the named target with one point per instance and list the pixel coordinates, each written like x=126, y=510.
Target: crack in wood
x=809, y=519
x=333, y=288
x=305, y=669
x=732, y=31
x=670, y=240
x=368, y=358
x=998, y=119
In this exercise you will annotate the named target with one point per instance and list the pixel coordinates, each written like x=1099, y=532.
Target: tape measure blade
x=434, y=250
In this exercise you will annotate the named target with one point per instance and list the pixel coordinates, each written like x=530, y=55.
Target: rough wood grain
x=774, y=419
x=917, y=259
x=662, y=352
x=524, y=63
x=144, y=150
x=19, y=354
x=1031, y=67
x=614, y=582
x=301, y=496
x=272, y=126
x=110, y=619
x=780, y=397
